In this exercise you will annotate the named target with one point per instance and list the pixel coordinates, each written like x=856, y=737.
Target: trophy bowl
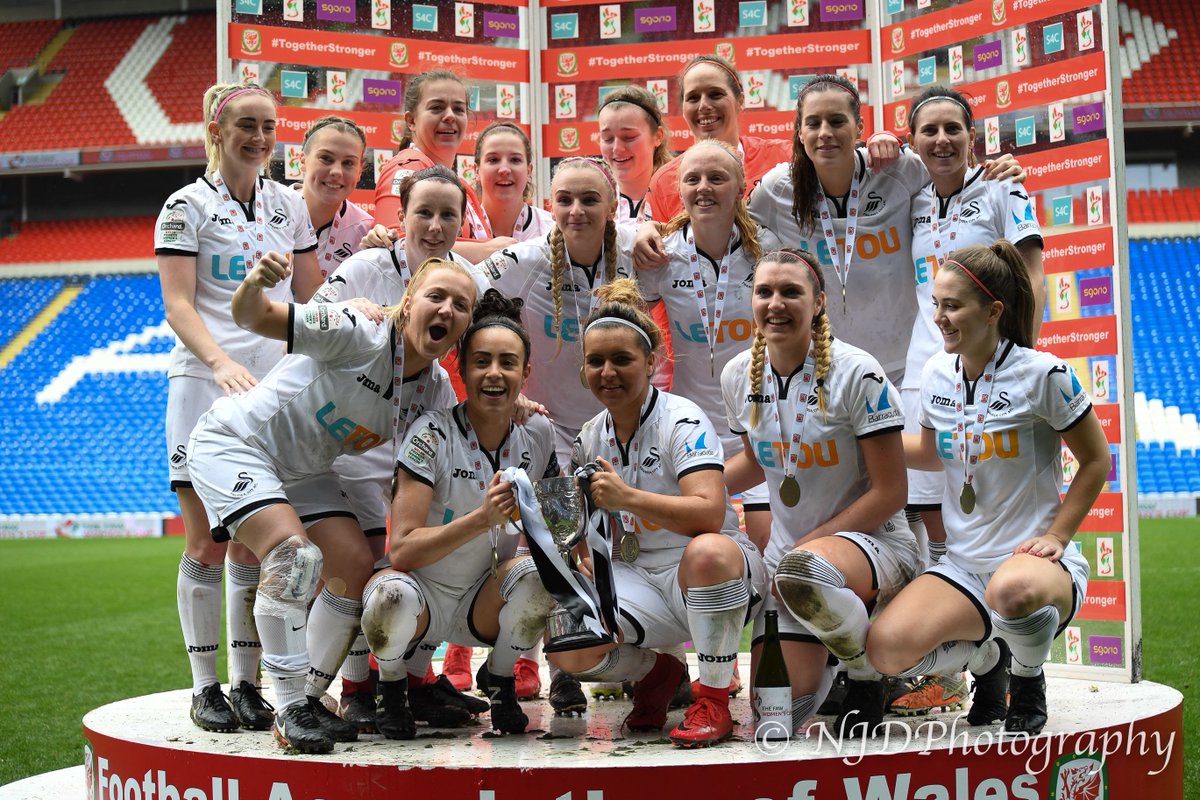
x=561, y=501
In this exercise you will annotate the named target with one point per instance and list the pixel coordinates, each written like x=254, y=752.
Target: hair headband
x=720, y=64
x=593, y=163
x=778, y=255
x=814, y=84
x=620, y=321
x=971, y=275
x=235, y=93
x=912, y=112
x=327, y=121
x=717, y=143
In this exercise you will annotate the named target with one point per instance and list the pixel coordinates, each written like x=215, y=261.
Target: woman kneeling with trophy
x=454, y=572
x=653, y=462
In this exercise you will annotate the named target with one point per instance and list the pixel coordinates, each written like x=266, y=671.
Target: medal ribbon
x=841, y=261
x=620, y=464
x=593, y=299
x=951, y=227
x=790, y=443
x=401, y=417
x=970, y=435
x=711, y=326
x=331, y=239
x=475, y=451
x=249, y=235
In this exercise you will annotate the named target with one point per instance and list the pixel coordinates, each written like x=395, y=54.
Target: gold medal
x=631, y=548
x=966, y=498
x=789, y=491
x=495, y=564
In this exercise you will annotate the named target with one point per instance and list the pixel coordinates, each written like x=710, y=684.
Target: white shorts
x=790, y=628
x=894, y=561
x=187, y=400
x=234, y=480
x=449, y=616
x=367, y=481
x=757, y=498
x=974, y=584
x=652, y=610
x=925, y=488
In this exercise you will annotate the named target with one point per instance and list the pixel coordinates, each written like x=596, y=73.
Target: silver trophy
x=564, y=510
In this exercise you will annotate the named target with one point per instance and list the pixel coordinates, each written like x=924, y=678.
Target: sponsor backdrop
x=1038, y=75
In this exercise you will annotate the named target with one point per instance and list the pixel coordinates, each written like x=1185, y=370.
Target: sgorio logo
x=568, y=65
x=398, y=54
x=251, y=41
x=568, y=138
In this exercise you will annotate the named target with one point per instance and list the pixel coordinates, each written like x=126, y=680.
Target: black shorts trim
x=637, y=627
x=241, y=511
x=177, y=485
x=471, y=620
x=1076, y=605
x=984, y=613
x=320, y=515
x=415, y=476
x=919, y=507
x=374, y=533
x=870, y=561
x=756, y=506
x=700, y=468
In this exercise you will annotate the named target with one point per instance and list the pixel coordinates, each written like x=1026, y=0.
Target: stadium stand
x=1161, y=44
x=80, y=240
x=116, y=88
x=84, y=401
x=24, y=40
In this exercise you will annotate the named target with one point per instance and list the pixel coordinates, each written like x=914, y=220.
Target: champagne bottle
x=771, y=694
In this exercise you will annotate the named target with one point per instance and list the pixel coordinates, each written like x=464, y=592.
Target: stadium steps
x=46, y=87
x=38, y=324
x=41, y=62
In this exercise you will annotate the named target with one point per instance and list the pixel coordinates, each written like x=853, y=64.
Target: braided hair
x=822, y=333
x=559, y=265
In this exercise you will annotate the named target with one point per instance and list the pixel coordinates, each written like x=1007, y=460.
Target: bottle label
x=772, y=712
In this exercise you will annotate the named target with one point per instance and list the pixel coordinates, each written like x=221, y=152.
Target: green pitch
x=84, y=623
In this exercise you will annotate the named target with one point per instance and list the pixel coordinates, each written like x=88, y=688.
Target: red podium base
x=1104, y=740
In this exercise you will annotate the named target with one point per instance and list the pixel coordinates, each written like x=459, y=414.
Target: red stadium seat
x=80, y=240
